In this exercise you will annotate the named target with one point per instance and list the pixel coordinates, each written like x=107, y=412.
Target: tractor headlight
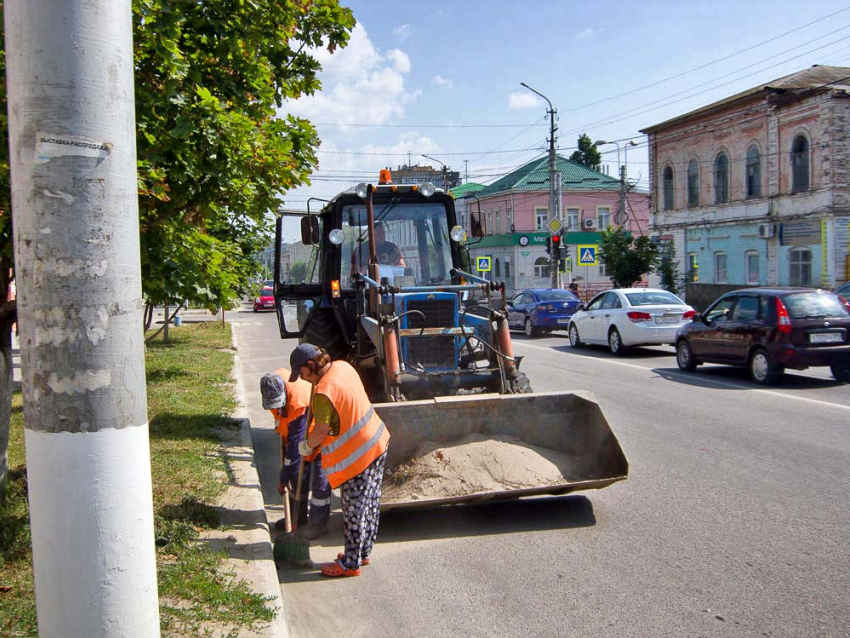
x=427, y=189
x=457, y=233
x=361, y=190
x=336, y=236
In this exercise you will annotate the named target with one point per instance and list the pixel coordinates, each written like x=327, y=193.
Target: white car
x=625, y=317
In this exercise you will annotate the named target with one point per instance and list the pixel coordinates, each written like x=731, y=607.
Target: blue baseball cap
x=299, y=357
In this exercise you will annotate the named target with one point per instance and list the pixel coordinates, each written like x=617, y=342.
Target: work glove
x=304, y=448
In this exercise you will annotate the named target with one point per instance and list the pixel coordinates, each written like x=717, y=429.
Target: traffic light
x=555, y=245
x=564, y=251
x=549, y=244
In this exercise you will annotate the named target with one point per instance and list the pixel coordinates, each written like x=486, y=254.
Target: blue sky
x=443, y=78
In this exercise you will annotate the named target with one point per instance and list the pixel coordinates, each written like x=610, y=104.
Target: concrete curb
x=247, y=540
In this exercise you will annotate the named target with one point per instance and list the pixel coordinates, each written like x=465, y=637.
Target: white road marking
x=736, y=386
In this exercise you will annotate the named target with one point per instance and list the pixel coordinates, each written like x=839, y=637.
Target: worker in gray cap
x=288, y=402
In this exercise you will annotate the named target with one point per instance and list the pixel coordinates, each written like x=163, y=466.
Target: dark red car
x=768, y=330
x=265, y=300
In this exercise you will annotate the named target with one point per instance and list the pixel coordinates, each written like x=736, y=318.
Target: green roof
x=534, y=176
x=464, y=189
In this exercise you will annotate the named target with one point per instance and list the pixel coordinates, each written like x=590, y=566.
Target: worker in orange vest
x=288, y=404
x=354, y=442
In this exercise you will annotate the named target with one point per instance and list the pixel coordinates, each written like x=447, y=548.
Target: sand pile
x=472, y=465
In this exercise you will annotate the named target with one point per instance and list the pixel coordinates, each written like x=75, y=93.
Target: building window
x=753, y=172
x=720, y=268
x=507, y=269
x=800, y=164
x=496, y=267
x=693, y=267
x=721, y=179
x=498, y=222
x=668, y=188
x=540, y=218
x=693, y=183
x=573, y=215
x=752, y=263
x=603, y=272
x=800, y=261
x=541, y=267
x=603, y=217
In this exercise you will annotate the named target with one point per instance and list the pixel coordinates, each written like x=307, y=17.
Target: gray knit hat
x=273, y=391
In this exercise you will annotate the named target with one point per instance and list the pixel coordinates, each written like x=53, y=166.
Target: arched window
x=721, y=179
x=498, y=270
x=800, y=164
x=668, y=188
x=800, y=262
x=541, y=267
x=753, y=172
x=693, y=183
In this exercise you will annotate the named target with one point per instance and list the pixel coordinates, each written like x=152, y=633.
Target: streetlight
x=553, y=196
x=445, y=172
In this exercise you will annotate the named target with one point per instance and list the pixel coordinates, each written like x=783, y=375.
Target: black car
x=768, y=330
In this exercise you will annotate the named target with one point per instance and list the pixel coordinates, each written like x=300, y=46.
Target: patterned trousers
x=361, y=510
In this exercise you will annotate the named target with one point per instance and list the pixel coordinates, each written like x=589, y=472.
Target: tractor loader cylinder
x=393, y=365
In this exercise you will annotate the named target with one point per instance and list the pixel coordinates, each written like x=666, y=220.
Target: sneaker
x=311, y=532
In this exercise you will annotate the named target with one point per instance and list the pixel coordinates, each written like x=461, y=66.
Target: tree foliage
x=587, y=152
x=627, y=258
x=213, y=158
x=668, y=269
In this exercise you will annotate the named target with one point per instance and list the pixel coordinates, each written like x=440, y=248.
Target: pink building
x=517, y=209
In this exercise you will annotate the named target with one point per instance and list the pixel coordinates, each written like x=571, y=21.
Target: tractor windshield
x=412, y=241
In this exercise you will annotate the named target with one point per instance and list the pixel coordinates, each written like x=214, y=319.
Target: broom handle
x=308, y=416
x=286, y=508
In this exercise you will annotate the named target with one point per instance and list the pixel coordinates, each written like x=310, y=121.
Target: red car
x=265, y=301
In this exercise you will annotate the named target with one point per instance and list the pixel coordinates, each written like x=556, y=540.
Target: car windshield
x=556, y=295
x=802, y=305
x=267, y=292
x=653, y=298
x=412, y=241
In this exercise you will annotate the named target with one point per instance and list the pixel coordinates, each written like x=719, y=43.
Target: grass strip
x=189, y=399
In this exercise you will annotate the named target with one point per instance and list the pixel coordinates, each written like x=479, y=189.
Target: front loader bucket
x=440, y=445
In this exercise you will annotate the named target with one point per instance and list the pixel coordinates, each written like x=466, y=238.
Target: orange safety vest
x=297, y=400
x=362, y=437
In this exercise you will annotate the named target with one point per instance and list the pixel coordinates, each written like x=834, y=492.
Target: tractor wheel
x=324, y=331
x=521, y=385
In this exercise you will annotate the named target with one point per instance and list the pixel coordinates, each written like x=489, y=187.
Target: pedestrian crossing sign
x=587, y=254
x=484, y=263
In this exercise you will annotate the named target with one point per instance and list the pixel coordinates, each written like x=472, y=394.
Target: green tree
x=214, y=159
x=627, y=258
x=298, y=271
x=668, y=269
x=587, y=153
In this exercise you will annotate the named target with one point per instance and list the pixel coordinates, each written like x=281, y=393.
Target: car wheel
x=685, y=356
x=615, y=342
x=841, y=372
x=529, y=328
x=575, y=340
x=255, y=309
x=763, y=368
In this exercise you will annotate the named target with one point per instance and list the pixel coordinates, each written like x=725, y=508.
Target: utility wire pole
x=76, y=236
x=554, y=186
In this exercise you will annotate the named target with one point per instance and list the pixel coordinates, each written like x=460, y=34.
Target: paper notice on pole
x=50, y=145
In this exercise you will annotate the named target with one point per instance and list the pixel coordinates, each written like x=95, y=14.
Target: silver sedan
x=624, y=317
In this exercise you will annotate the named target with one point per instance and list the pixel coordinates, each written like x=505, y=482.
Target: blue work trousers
x=315, y=480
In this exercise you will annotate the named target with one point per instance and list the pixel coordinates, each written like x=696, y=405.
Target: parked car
x=769, y=330
x=538, y=310
x=625, y=317
x=265, y=300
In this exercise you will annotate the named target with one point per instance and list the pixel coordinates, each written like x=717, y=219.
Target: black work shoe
x=280, y=525
x=311, y=532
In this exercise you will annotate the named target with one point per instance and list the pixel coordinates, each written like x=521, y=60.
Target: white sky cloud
x=403, y=32
x=360, y=85
x=586, y=33
x=439, y=80
x=523, y=101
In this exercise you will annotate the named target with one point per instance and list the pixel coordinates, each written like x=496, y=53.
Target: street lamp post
x=621, y=210
x=553, y=185
x=445, y=171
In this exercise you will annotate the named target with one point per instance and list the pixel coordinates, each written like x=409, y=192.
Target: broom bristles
x=291, y=548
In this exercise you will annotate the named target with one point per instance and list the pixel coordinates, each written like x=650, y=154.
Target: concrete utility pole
x=73, y=167
x=621, y=210
x=554, y=185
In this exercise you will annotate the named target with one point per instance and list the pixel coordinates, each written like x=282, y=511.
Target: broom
x=290, y=547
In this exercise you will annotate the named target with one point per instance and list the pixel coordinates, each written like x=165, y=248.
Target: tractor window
x=411, y=240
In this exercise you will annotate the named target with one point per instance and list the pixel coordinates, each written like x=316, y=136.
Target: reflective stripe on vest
x=359, y=452
x=346, y=437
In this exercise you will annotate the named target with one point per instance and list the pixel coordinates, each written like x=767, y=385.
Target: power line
x=449, y=126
